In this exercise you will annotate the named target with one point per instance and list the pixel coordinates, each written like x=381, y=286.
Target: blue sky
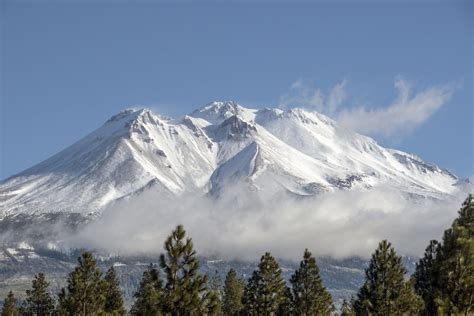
x=404, y=69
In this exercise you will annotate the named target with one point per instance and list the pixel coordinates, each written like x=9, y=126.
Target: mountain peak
x=218, y=111
x=133, y=120
x=137, y=150
x=220, y=106
x=235, y=128
x=128, y=113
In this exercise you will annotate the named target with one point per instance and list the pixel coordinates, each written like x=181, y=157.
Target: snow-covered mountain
x=300, y=152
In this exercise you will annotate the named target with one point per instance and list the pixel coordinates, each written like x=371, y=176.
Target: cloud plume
x=407, y=112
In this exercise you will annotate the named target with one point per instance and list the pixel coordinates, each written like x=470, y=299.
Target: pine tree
x=215, y=283
x=212, y=304
x=266, y=289
x=113, y=295
x=61, y=306
x=84, y=294
x=310, y=297
x=9, y=305
x=185, y=288
x=149, y=296
x=456, y=264
x=233, y=293
x=214, y=295
x=426, y=276
x=385, y=291
x=38, y=300
x=249, y=298
x=286, y=306
x=346, y=309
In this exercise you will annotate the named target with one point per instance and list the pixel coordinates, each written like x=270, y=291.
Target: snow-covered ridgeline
x=300, y=152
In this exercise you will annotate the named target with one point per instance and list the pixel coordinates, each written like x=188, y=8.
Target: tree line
x=443, y=284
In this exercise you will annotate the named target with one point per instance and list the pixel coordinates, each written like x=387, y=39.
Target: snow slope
x=300, y=152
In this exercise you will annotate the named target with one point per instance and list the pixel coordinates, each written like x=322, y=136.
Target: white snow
x=12, y=251
x=25, y=246
x=296, y=150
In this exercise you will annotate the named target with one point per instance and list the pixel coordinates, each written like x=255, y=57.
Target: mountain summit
x=295, y=151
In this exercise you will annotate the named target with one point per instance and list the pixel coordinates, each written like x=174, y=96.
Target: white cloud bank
x=408, y=111
x=341, y=224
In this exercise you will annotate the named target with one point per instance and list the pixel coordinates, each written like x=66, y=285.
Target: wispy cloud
x=336, y=97
x=405, y=114
x=408, y=111
x=302, y=95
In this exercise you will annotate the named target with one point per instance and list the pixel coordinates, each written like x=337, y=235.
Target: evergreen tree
x=84, y=294
x=385, y=291
x=286, y=306
x=426, y=276
x=149, y=296
x=38, y=300
x=214, y=295
x=233, y=293
x=9, y=305
x=266, y=290
x=113, y=295
x=310, y=297
x=249, y=299
x=215, y=283
x=456, y=264
x=212, y=304
x=185, y=289
x=346, y=309
x=61, y=307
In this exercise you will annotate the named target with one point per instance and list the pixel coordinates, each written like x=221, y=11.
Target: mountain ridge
x=295, y=150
